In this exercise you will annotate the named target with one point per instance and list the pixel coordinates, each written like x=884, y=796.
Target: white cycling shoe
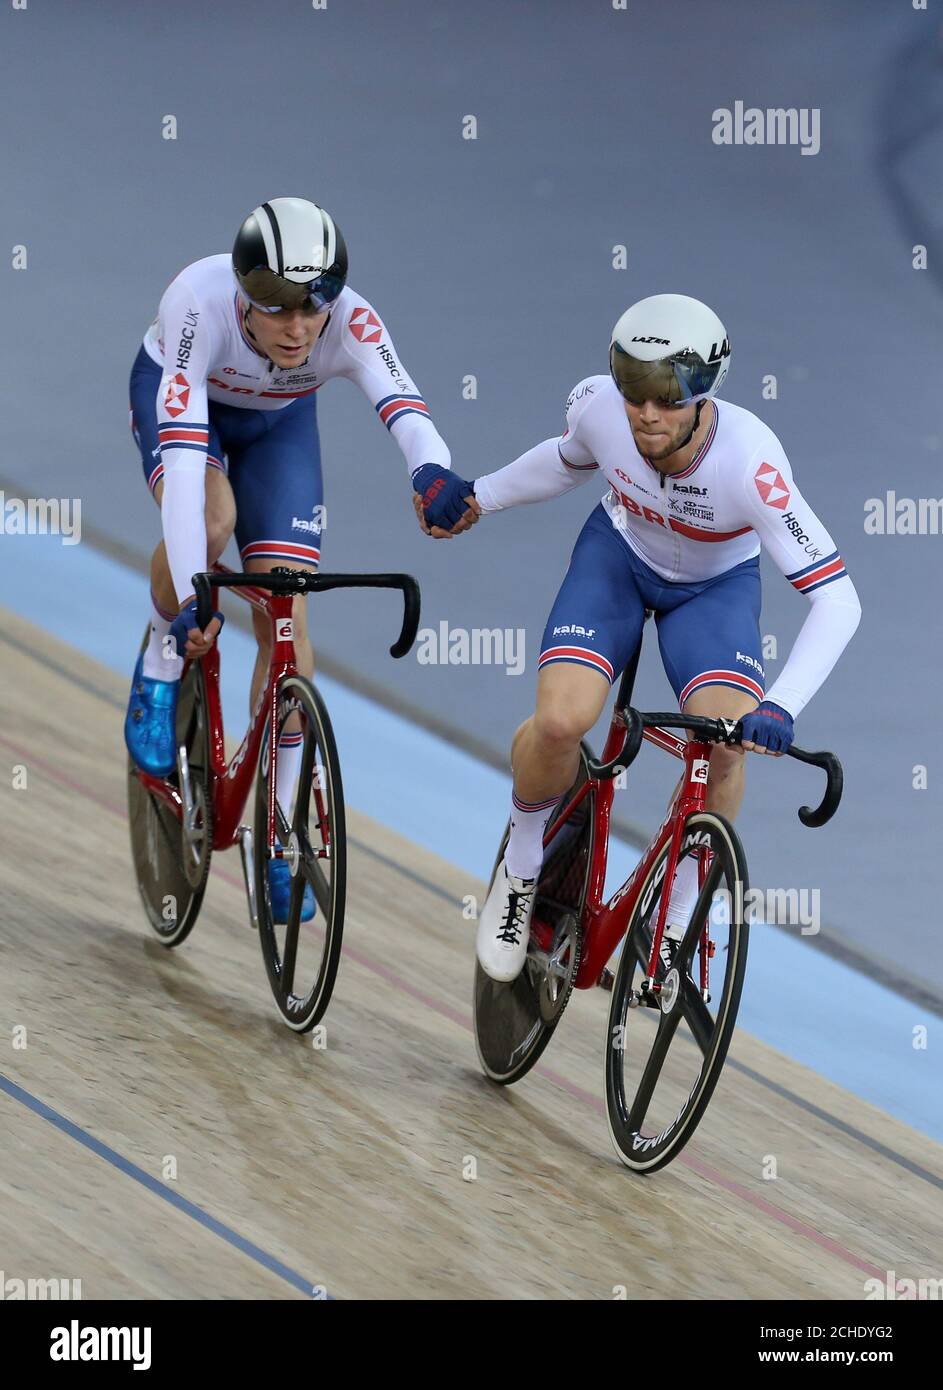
x=504, y=926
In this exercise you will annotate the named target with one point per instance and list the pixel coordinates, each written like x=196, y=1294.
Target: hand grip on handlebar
x=204, y=599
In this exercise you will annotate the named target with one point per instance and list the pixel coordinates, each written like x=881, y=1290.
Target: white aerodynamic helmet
x=290, y=253
x=669, y=348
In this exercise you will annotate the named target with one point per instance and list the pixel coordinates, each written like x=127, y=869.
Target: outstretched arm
x=808, y=557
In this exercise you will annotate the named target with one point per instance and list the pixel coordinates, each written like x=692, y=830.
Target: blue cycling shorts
x=271, y=457
x=708, y=632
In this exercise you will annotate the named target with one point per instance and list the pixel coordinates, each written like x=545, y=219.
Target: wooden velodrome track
x=342, y=1169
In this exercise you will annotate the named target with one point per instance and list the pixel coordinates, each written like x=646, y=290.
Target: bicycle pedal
x=606, y=980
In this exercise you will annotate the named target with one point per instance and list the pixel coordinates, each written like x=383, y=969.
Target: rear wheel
x=667, y=1044
x=301, y=958
x=514, y=1022
x=171, y=859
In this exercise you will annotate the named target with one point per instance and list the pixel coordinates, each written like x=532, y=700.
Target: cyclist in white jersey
x=223, y=411
x=696, y=485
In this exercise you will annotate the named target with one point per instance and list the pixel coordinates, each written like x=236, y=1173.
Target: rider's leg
x=726, y=782
x=290, y=745
x=220, y=515
x=545, y=755
x=712, y=651
x=593, y=630
x=149, y=727
x=277, y=483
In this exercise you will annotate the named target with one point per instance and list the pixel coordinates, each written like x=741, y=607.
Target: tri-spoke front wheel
x=668, y=1039
x=301, y=957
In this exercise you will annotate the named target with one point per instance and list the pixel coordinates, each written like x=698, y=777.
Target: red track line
x=464, y=1021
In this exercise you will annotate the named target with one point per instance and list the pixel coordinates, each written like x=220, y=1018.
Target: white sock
x=287, y=767
x=683, y=897
x=158, y=666
x=525, y=852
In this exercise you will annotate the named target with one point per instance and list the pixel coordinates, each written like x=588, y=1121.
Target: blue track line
x=182, y=1204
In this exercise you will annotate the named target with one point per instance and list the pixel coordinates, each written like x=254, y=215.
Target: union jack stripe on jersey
x=822, y=572
x=184, y=437
x=393, y=408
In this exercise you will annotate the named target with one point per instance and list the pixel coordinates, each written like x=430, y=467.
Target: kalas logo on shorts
x=365, y=325
x=177, y=396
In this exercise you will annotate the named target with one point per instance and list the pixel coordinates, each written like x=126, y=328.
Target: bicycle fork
x=691, y=795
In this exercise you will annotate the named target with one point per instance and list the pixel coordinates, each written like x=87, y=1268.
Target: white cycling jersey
x=200, y=341
x=737, y=492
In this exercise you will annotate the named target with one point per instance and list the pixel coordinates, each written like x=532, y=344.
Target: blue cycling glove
x=443, y=495
x=769, y=726
x=184, y=622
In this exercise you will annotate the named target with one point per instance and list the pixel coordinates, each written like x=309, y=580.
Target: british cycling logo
x=42, y=516
x=77, y=1343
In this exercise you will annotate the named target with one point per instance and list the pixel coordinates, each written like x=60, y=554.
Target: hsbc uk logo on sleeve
x=365, y=325
x=771, y=486
x=177, y=395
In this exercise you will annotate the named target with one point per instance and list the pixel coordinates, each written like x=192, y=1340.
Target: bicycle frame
x=605, y=924
x=230, y=783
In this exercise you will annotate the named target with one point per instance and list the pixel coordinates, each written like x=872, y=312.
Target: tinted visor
x=270, y=292
x=675, y=380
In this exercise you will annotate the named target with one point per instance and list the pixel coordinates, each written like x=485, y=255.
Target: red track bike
x=176, y=822
x=681, y=992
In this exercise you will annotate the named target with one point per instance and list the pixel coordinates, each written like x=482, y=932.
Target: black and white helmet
x=669, y=348
x=290, y=253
